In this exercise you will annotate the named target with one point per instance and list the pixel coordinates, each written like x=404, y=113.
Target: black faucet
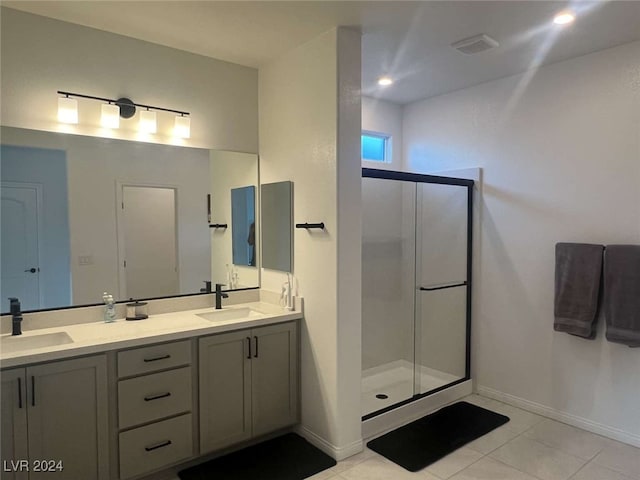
x=16, y=316
x=220, y=295
x=207, y=287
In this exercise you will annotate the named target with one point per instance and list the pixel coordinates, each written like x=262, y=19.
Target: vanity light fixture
x=148, y=122
x=110, y=117
x=182, y=127
x=113, y=110
x=385, y=81
x=67, y=110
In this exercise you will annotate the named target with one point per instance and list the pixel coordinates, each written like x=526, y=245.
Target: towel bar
x=310, y=225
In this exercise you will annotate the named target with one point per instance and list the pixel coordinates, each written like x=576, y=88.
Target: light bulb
x=110, y=117
x=148, y=121
x=564, y=18
x=67, y=110
x=182, y=127
x=385, y=81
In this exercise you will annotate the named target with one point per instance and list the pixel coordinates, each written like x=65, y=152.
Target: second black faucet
x=220, y=295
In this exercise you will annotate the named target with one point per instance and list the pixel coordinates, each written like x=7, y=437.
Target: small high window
x=376, y=147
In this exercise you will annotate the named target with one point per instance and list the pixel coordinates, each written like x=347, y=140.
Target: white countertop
x=96, y=337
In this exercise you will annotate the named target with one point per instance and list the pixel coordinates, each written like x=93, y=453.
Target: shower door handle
x=431, y=288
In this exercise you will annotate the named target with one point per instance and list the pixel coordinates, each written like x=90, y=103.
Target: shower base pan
x=392, y=383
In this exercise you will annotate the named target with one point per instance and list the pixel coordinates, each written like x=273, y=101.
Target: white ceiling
x=407, y=40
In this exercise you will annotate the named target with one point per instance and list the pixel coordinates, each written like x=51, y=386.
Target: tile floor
x=529, y=447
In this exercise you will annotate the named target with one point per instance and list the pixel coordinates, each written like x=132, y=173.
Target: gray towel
x=578, y=273
x=622, y=294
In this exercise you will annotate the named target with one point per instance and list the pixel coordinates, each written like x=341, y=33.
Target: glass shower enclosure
x=416, y=286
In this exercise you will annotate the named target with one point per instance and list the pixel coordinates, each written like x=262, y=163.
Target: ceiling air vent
x=475, y=44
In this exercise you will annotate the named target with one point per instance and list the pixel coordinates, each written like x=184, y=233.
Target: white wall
x=561, y=162
x=40, y=56
x=94, y=168
x=381, y=116
x=230, y=170
x=310, y=134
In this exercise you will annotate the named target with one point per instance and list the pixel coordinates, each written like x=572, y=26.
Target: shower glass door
x=416, y=281
x=441, y=285
x=388, y=292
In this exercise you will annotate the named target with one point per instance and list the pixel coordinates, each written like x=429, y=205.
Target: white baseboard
x=397, y=417
x=569, y=419
x=337, y=453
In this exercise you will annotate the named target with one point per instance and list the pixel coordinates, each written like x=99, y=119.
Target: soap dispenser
x=286, y=296
x=16, y=316
x=229, y=278
x=110, y=308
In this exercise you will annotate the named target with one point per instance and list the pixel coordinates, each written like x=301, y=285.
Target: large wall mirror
x=87, y=215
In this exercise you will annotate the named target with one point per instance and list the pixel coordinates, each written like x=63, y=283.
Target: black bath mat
x=428, y=439
x=289, y=457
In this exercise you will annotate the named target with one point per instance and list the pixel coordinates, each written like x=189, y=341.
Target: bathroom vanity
x=122, y=400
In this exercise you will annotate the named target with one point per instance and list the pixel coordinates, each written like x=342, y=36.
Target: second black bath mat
x=428, y=439
x=289, y=457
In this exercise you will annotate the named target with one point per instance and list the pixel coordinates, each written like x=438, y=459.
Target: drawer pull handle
x=249, y=344
x=33, y=391
x=255, y=355
x=160, y=445
x=19, y=392
x=155, y=359
x=156, y=397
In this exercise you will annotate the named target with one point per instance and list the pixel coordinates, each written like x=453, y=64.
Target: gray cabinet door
x=225, y=385
x=274, y=363
x=14, y=425
x=68, y=420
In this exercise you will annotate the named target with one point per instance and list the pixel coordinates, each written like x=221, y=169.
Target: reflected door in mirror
x=149, y=242
x=20, y=272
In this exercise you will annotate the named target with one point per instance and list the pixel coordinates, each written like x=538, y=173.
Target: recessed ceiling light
x=564, y=18
x=384, y=81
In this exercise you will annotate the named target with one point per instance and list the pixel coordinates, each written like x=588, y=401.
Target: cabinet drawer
x=155, y=396
x=153, y=358
x=154, y=446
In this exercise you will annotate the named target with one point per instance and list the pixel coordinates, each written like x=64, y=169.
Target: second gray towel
x=578, y=273
x=622, y=294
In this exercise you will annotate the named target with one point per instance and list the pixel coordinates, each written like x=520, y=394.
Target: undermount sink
x=11, y=343
x=230, y=314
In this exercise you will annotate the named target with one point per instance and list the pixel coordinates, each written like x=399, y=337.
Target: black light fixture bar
x=110, y=100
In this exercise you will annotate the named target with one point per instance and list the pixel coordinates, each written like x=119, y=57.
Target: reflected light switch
x=85, y=260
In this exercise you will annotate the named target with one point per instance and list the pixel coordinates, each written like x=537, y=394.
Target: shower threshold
x=388, y=385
